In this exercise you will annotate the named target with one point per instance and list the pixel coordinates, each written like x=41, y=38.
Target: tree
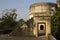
x=21, y=22
x=55, y=24
x=8, y=19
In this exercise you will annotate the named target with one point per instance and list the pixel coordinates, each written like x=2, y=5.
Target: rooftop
x=43, y=4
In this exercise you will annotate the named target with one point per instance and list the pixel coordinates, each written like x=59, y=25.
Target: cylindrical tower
x=41, y=14
x=38, y=9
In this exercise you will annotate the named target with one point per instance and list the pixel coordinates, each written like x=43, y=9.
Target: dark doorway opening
x=41, y=27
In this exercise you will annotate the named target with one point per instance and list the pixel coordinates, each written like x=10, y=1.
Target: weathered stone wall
x=47, y=26
x=50, y=37
x=40, y=8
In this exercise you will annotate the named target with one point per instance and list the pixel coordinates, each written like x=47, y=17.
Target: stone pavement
x=5, y=37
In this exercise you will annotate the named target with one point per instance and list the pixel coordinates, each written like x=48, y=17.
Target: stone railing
x=50, y=37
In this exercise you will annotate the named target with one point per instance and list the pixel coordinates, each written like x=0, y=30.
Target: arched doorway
x=41, y=29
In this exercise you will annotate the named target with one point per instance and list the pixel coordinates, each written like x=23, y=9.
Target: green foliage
x=18, y=30
x=8, y=19
x=58, y=9
x=55, y=24
x=21, y=22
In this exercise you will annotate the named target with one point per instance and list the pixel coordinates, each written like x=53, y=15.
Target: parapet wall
x=42, y=7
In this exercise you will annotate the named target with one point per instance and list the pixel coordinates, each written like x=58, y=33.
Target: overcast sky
x=22, y=6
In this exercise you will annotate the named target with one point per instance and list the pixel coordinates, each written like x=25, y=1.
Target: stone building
x=39, y=20
x=58, y=3
x=41, y=13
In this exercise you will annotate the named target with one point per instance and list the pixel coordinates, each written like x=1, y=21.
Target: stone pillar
x=35, y=30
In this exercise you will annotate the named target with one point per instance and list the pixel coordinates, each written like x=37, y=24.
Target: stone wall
x=47, y=26
x=50, y=37
x=40, y=8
